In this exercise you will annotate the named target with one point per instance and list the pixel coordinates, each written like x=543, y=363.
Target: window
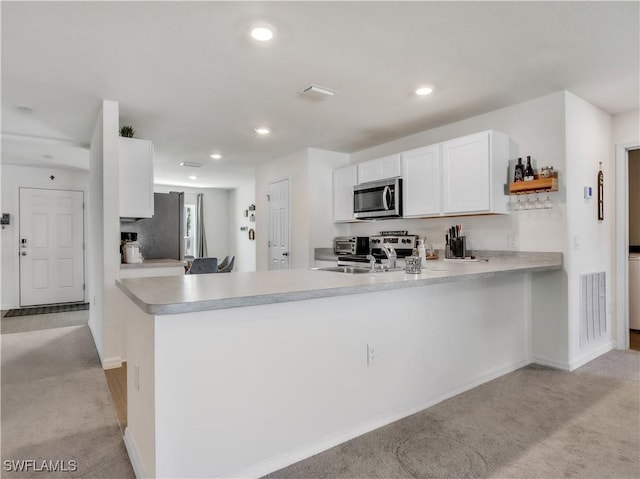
x=190, y=230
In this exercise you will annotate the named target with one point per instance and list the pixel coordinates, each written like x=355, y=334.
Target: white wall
x=13, y=178
x=216, y=215
x=107, y=326
x=242, y=247
x=626, y=127
x=536, y=128
x=310, y=173
x=295, y=168
x=320, y=223
x=590, y=241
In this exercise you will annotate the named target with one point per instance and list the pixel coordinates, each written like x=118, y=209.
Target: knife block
x=457, y=248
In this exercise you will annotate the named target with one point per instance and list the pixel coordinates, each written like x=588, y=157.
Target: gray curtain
x=201, y=237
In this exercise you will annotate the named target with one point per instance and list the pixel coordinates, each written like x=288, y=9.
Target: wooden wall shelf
x=538, y=185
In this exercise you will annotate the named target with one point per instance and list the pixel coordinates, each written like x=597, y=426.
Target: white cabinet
x=474, y=172
x=344, y=179
x=136, y=178
x=421, y=182
x=379, y=169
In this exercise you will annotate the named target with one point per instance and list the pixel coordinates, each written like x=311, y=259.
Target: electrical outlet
x=371, y=354
x=512, y=240
x=136, y=377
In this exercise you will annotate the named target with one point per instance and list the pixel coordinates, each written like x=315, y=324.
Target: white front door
x=51, y=246
x=279, y=225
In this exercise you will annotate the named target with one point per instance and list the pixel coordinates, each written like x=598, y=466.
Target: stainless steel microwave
x=378, y=199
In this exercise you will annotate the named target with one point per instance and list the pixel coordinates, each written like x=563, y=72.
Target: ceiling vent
x=317, y=92
x=191, y=164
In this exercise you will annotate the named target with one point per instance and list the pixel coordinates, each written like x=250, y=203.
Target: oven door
x=378, y=199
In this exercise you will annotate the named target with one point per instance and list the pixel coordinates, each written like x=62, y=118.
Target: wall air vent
x=191, y=164
x=317, y=92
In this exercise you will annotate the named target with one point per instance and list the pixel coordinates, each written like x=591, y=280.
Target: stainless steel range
x=402, y=243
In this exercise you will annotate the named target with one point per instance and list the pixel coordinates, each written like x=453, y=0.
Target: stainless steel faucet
x=372, y=262
x=391, y=255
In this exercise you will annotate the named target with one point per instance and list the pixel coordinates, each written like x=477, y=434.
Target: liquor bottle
x=518, y=175
x=528, y=171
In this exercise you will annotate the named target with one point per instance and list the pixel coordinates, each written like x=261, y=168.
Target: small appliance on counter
x=132, y=252
x=358, y=245
x=130, y=248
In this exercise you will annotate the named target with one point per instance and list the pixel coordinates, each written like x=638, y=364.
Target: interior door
x=279, y=225
x=51, y=246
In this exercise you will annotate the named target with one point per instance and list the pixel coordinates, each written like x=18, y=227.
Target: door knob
x=24, y=253
x=285, y=254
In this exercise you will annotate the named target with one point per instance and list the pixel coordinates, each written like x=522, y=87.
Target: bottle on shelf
x=528, y=171
x=518, y=175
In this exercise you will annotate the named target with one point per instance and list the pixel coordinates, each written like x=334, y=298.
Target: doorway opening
x=625, y=237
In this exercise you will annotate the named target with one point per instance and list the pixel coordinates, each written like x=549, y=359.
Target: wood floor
x=117, y=381
x=634, y=340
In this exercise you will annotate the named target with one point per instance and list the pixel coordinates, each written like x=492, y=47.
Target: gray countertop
x=154, y=263
x=203, y=292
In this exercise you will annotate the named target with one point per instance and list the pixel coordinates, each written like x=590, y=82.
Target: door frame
x=622, y=243
x=84, y=238
x=270, y=226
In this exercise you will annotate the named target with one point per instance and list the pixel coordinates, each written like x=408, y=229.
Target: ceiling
x=188, y=77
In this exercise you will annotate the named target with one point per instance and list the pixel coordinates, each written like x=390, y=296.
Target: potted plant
x=127, y=131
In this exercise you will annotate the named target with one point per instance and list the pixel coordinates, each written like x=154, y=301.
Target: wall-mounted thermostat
x=588, y=192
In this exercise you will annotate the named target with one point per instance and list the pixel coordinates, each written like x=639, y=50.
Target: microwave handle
x=385, y=192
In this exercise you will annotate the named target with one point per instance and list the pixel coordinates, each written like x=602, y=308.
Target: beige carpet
x=533, y=423
x=56, y=407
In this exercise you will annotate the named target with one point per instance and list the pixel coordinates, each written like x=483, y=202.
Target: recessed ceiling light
x=262, y=32
x=193, y=177
x=424, y=90
x=261, y=130
x=216, y=156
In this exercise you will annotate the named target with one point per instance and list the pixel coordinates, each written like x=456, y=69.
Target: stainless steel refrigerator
x=162, y=236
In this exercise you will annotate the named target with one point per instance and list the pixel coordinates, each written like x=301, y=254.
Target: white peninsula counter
x=238, y=375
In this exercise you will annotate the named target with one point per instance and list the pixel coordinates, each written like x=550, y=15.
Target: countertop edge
x=257, y=300
x=164, y=263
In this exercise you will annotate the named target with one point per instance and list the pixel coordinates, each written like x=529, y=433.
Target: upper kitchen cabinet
x=421, y=182
x=136, y=178
x=344, y=179
x=474, y=172
x=379, y=169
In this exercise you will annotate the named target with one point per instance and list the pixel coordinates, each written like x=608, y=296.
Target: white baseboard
x=112, y=363
x=134, y=457
x=275, y=463
x=552, y=363
x=591, y=355
x=7, y=307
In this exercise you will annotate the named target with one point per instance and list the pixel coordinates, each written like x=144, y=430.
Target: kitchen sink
x=355, y=270
x=345, y=269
